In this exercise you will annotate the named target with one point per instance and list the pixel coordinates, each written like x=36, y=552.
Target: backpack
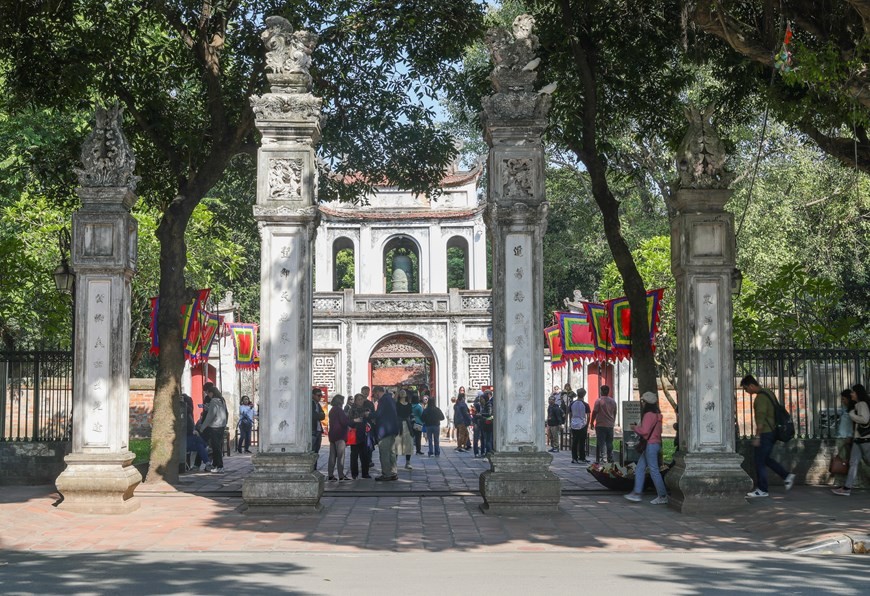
x=783, y=426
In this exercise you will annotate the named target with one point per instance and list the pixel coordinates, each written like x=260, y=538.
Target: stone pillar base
x=520, y=483
x=97, y=483
x=707, y=482
x=283, y=483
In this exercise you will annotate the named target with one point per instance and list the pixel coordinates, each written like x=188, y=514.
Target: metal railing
x=35, y=396
x=808, y=382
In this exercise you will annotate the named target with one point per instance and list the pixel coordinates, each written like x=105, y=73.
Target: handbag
x=351, y=436
x=640, y=447
x=418, y=427
x=838, y=466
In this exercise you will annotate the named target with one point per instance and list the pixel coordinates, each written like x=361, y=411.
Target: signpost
x=630, y=414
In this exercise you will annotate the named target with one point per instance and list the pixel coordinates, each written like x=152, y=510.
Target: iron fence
x=35, y=396
x=808, y=382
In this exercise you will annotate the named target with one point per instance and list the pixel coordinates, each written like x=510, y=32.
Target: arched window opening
x=401, y=266
x=343, y=265
x=457, y=263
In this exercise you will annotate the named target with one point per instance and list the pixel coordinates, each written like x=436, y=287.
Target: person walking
x=487, y=418
x=404, y=444
x=765, y=422
x=246, y=425
x=386, y=428
x=554, y=422
x=578, y=412
x=337, y=433
x=432, y=417
x=214, y=425
x=462, y=418
x=602, y=421
x=360, y=457
x=417, y=413
x=449, y=426
x=649, y=429
x=317, y=418
x=859, y=413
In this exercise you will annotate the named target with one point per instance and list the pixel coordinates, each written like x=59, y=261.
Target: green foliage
x=457, y=275
x=792, y=309
x=344, y=269
x=142, y=449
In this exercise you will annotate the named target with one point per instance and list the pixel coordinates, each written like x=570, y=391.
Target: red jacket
x=338, y=423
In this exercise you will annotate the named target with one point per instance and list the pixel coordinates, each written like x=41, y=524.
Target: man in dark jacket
x=387, y=428
x=462, y=420
x=554, y=421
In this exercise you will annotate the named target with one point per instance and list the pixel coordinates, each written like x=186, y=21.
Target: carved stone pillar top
x=701, y=159
x=515, y=110
x=288, y=56
x=106, y=179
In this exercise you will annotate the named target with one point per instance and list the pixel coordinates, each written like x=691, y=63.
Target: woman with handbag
x=338, y=425
x=404, y=444
x=859, y=413
x=360, y=456
x=649, y=446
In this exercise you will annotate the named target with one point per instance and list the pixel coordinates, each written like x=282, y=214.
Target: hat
x=650, y=397
x=552, y=398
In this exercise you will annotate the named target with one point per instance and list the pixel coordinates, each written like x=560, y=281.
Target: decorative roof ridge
x=404, y=214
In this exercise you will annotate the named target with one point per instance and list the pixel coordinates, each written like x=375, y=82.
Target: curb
x=838, y=545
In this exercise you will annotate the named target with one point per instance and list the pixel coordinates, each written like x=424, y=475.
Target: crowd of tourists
x=396, y=422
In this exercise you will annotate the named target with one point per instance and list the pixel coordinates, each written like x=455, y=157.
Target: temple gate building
x=401, y=291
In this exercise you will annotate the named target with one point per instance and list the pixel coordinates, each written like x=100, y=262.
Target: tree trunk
x=166, y=423
x=641, y=348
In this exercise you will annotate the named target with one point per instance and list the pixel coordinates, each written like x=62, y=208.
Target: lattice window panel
x=324, y=371
x=479, y=370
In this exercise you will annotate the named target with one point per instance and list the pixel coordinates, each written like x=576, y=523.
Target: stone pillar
x=288, y=117
x=100, y=477
x=707, y=475
x=515, y=116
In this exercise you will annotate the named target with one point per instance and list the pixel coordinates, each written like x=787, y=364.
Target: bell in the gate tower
x=402, y=270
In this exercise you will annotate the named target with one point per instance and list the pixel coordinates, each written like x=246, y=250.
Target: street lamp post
x=65, y=282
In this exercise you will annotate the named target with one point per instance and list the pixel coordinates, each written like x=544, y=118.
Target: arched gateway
x=288, y=118
x=405, y=360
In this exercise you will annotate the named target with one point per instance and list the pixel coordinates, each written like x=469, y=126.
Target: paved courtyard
x=432, y=508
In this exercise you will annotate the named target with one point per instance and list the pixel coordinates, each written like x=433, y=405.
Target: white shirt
x=578, y=414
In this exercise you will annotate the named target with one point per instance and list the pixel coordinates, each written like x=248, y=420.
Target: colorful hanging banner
x=619, y=314
x=190, y=323
x=554, y=342
x=210, y=325
x=245, y=341
x=577, y=340
x=600, y=329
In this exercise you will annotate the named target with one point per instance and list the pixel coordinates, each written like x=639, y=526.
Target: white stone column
x=515, y=116
x=288, y=118
x=707, y=475
x=100, y=477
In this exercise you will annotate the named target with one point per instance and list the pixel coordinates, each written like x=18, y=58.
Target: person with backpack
x=555, y=419
x=764, y=408
x=214, y=425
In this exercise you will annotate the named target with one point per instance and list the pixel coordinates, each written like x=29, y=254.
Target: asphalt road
x=412, y=574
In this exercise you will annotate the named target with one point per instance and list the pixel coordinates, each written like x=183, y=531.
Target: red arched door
x=199, y=376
